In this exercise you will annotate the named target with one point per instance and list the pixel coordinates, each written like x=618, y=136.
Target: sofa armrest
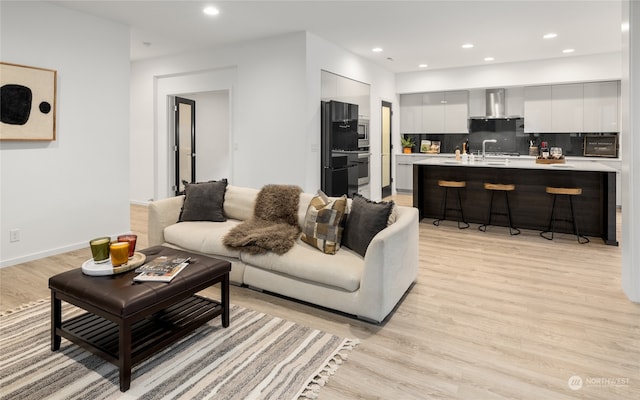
x=162, y=213
x=391, y=261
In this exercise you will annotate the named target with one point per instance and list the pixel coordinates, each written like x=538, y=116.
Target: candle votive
x=131, y=239
x=100, y=249
x=119, y=253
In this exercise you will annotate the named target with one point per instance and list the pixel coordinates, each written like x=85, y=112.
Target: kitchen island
x=530, y=204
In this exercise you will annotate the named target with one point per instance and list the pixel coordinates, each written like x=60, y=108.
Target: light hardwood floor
x=491, y=316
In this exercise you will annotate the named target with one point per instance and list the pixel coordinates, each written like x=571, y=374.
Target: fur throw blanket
x=274, y=225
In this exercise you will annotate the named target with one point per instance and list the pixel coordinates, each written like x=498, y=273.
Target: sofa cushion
x=342, y=270
x=305, y=199
x=202, y=236
x=203, y=201
x=239, y=202
x=324, y=223
x=366, y=218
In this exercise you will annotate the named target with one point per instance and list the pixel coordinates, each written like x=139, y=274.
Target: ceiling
x=409, y=32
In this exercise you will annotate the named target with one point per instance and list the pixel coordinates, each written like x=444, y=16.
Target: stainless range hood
x=494, y=104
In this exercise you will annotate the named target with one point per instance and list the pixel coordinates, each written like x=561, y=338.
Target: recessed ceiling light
x=467, y=46
x=211, y=11
x=377, y=49
x=489, y=58
x=422, y=66
x=550, y=35
x=568, y=51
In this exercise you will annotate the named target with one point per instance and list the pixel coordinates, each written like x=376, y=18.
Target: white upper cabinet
x=572, y=108
x=437, y=112
x=601, y=106
x=567, y=108
x=537, y=109
x=411, y=113
x=433, y=114
x=339, y=88
x=328, y=86
x=477, y=103
x=456, y=112
x=514, y=102
x=354, y=92
x=363, y=98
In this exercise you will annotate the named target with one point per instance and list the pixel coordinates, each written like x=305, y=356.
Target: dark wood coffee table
x=128, y=322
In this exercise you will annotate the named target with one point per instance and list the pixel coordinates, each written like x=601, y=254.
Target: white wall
x=212, y=135
x=61, y=194
x=630, y=99
x=265, y=79
x=152, y=88
x=600, y=67
x=274, y=87
x=324, y=55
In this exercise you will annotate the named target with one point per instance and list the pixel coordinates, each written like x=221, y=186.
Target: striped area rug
x=257, y=357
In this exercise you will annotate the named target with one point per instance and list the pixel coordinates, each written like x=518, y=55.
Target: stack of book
x=161, y=269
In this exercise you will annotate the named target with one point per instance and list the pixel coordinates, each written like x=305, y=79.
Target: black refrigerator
x=339, y=131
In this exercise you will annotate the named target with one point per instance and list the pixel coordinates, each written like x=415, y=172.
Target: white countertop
x=520, y=163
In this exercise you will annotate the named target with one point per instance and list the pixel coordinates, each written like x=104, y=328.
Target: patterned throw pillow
x=324, y=222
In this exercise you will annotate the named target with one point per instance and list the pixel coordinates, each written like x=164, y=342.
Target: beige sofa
x=368, y=288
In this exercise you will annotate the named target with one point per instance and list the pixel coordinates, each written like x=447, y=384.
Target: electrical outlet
x=14, y=235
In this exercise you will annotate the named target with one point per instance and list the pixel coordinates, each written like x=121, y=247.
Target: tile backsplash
x=572, y=144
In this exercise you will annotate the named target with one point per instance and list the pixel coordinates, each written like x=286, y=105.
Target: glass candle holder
x=131, y=239
x=556, y=152
x=119, y=253
x=100, y=249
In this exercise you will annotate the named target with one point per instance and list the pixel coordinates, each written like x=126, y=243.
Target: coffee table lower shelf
x=148, y=336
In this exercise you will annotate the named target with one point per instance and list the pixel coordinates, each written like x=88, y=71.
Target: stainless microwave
x=363, y=133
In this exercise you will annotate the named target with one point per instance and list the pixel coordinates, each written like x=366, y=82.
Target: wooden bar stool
x=455, y=185
x=504, y=188
x=569, y=192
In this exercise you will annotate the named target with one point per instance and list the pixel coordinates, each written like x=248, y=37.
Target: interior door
x=185, y=142
x=387, y=146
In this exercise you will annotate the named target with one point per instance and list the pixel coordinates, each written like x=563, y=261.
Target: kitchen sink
x=495, y=162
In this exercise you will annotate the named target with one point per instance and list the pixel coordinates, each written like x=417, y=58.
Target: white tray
x=89, y=267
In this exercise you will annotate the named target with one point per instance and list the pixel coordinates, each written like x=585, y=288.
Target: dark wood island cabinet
x=530, y=204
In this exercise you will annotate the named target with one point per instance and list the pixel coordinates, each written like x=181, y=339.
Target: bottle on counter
x=457, y=153
x=467, y=149
x=544, y=150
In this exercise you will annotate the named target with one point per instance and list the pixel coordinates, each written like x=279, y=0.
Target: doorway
x=387, y=147
x=185, y=143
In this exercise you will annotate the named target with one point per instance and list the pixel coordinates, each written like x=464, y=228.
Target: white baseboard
x=42, y=254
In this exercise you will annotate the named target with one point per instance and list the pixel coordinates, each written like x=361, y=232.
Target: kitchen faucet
x=484, y=142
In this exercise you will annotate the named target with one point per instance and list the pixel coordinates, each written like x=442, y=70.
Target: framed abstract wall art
x=27, y=102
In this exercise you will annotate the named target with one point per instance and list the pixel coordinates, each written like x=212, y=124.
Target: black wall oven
x=363, y=167
x=359, y=174
x=339, y=138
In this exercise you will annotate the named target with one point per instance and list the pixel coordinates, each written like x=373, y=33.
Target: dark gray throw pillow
x=203, y=201
x=364, y=221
